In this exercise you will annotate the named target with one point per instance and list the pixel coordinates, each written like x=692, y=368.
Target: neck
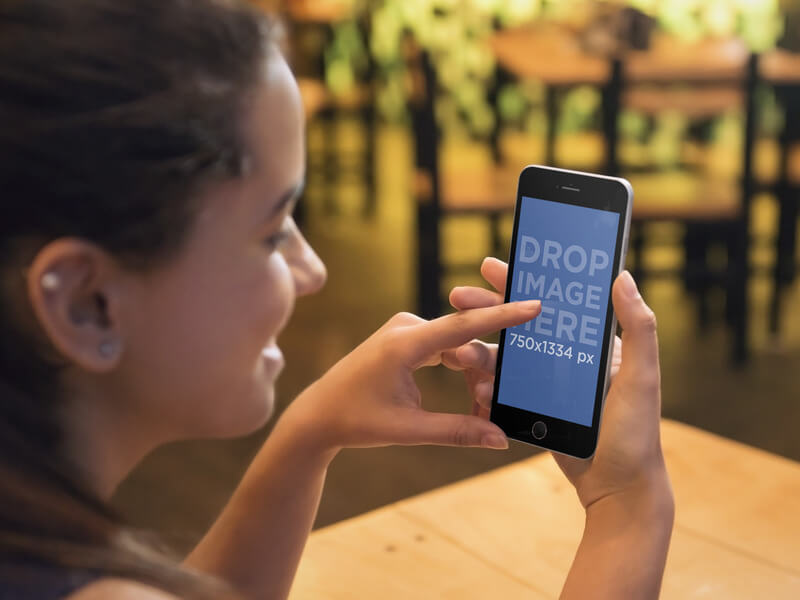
x=104, y=444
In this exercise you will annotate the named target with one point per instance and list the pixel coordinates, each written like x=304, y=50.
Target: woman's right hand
x=628, y=459
x=370, y=398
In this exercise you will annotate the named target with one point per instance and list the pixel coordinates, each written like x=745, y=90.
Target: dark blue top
x=31, y=580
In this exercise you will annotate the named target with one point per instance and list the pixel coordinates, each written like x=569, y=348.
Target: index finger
x=458, y=328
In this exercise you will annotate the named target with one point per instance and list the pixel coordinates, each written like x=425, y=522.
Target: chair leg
x=784, y=274
x=740, y=346
x=784, y=271
x=694, y=257
x=741, y=229
x=696, y=270
x=494, y=233
x=551, y=108
x=637, y=249
x=737, y=302
x=429, y=270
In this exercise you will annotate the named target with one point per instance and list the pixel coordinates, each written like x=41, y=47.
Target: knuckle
x=461, y=434
x=484, y=352
x=484, y=397
x=648, y=321
x=478, y=345
x=405, y=318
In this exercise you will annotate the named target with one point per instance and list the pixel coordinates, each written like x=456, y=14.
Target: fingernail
x=629, y=285
x=530, y=305
x=494, y=441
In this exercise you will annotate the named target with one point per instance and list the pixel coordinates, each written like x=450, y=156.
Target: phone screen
x=564, y=256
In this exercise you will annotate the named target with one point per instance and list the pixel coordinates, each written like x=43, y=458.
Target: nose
x=307, y=268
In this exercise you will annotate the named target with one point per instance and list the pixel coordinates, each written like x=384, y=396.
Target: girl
x=151, y=152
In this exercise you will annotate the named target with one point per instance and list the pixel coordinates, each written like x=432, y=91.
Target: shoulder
x=119, y=589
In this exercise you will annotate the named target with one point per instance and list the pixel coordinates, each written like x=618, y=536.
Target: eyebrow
x=286, y=198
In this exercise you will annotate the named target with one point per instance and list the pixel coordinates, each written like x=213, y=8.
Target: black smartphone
x=568, y=245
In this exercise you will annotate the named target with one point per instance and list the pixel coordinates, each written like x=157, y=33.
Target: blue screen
x=564, y=256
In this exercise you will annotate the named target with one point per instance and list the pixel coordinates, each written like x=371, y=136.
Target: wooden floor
x=179, y=489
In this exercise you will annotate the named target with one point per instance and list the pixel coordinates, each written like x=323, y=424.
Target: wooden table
x=512, y=532
x=551, y=55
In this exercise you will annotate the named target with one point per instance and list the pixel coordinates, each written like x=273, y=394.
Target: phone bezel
x=578, y=189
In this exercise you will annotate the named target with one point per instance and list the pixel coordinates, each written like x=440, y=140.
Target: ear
x=76, y=290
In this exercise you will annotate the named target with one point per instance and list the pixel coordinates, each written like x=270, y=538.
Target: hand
x=370, y=398
x=477, y=358
x=628, y=455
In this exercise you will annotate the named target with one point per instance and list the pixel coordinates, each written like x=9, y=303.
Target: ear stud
x=50, y=281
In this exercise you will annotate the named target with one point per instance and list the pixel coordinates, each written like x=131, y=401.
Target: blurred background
x=420, y=115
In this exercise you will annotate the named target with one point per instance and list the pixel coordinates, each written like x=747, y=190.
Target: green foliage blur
x=455, y=33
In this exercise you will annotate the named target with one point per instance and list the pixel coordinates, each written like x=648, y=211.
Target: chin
x=261, y=409
x=267, y=409
x=247, y=416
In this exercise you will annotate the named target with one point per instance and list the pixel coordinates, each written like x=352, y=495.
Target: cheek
x=273, y=298
x=249, y=307
x=200, y=369
x=248, y=317
x=244, y=315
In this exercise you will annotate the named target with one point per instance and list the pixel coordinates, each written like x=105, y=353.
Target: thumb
x=638, y=322
x=444, y=429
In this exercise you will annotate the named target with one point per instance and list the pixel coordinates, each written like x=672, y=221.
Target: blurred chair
x=553, y=56
x=700, y=81
x=446, y=193
x=781, y=70
x=312, y=26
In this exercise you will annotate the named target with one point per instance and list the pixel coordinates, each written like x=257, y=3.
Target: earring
x=50, y=281
x=107, y=349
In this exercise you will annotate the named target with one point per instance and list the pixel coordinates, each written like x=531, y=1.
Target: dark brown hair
x=114, y=116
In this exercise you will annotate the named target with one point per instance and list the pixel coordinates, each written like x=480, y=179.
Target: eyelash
x=276, y=240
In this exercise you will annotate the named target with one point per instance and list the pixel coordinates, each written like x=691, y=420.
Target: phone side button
x=539, y=430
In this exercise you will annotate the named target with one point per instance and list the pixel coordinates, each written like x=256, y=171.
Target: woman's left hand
x=481, y=358
x=370, y=398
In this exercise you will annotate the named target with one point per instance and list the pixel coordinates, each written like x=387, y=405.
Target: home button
x=539, y=430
